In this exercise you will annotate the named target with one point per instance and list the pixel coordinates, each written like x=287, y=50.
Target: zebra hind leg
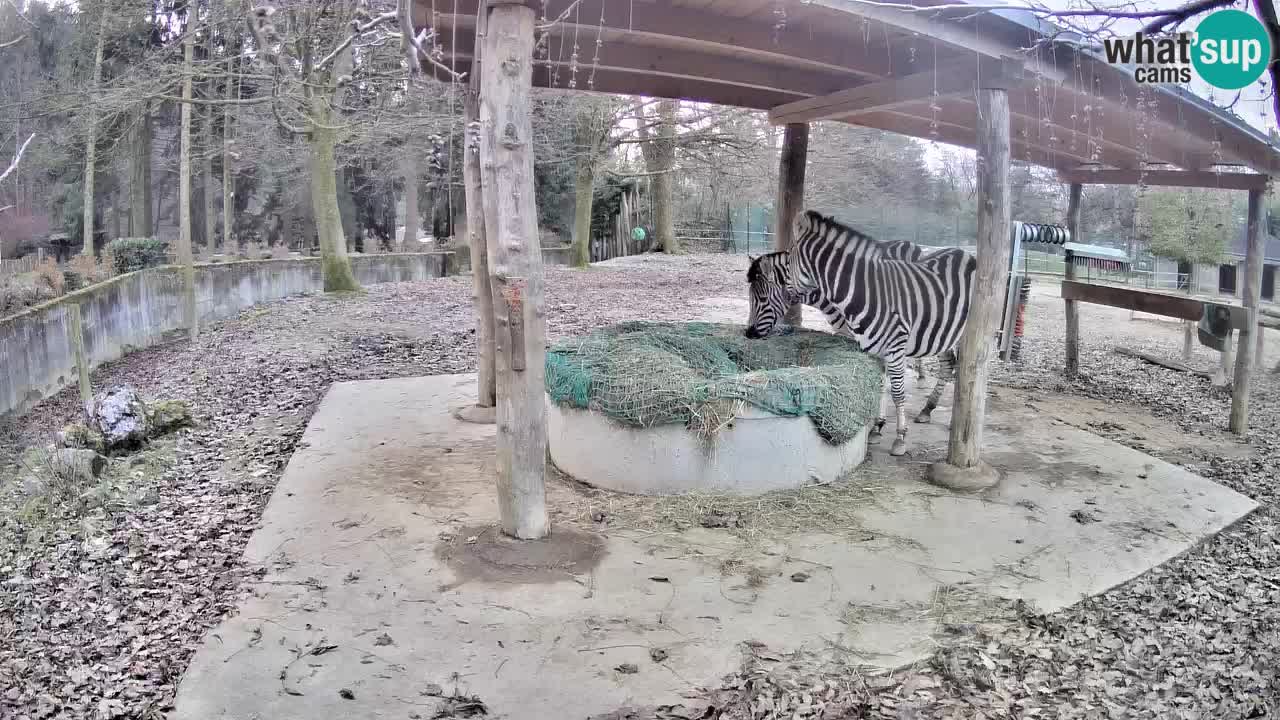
x=897, y=386
x=946, y=370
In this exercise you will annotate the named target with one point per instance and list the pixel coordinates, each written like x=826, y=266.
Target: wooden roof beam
x=1095, y=78
x=966, y=137
x=637, y=82
x=1170, y=178
x=619, y=56
x=695, y=29
x=1029, y=127
x=894, y=92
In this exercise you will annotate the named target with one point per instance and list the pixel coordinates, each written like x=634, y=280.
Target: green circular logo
x=1232, y=49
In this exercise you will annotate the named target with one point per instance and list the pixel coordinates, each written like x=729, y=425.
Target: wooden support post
x=962, y=468
x=515, y=267
x=482, y=294
x=1249, y=347
x=1073, y=310
x=1226, y=359
x=75, y=337
x=791, y=167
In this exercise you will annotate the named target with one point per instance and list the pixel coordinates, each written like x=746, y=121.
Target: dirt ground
x=102, y=605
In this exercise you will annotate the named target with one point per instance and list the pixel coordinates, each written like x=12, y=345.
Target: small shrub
x=130, y=254
x=50, y=276
x=82, y=270
x=22, y=291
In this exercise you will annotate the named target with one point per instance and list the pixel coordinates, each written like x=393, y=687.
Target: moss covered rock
x=81, y=436
x=165, y=416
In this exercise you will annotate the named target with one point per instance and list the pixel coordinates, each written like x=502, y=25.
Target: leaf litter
x=101, y=609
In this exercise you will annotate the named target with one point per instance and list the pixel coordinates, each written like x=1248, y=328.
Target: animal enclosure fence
x=18, y=266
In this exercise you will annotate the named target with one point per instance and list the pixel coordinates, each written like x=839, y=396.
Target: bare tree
x=91, y=144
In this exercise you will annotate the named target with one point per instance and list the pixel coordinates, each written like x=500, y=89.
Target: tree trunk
x=486, y=390
x=515, y=269
x=324, y=202
x=791, y=167
x=91, y=144
x=584, y=196
x=185, y=256
x=965, y=444
x=228, y=178
x=660, y=158
x=206, y=182
x=412, y=216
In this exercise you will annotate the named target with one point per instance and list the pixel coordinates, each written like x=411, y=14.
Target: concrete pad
x=384, y=575
x=754, y=453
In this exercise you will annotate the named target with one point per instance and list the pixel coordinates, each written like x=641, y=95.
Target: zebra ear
x=752, y=259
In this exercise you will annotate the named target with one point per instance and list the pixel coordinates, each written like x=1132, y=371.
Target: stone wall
x=140, y=309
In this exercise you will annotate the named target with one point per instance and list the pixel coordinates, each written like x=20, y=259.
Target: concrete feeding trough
x=756, y=452
x=661, y=409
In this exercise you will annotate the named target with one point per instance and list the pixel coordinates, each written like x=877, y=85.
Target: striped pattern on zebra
x=894, y=301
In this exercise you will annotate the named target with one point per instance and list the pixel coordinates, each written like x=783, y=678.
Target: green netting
x=700, y=374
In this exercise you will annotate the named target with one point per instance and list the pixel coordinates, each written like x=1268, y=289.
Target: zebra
x=894, y=250
x=893, y=308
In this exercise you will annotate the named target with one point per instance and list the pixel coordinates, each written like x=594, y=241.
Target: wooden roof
x=879, y=66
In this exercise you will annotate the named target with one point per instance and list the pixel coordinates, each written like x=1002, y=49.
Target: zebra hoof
x=899, y=447
x=924, y=418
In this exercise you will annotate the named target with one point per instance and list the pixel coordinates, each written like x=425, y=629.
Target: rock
x=77, y=465
x=165, y=416
x=79, y=435
x=120, y=416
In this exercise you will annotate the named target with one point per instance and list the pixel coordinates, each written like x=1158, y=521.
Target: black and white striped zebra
x=895, y=302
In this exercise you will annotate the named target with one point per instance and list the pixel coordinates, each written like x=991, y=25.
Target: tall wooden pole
x=515, y=266
x=1073, y=310
x=993, y=262
x=1246, y=356
x=486, y=387
x=791, y=167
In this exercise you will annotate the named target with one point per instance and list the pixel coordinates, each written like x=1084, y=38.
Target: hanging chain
x=595, y=61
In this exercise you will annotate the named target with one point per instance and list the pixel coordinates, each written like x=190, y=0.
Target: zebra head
x=769, y=278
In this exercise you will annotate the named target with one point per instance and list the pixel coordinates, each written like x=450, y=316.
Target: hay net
x=701, y=375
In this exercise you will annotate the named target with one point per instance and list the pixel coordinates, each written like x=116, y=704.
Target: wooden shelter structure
x=1005, y=83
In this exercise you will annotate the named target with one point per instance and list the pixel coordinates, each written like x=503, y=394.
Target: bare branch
x=359, y=30
x=1176, y=16
x=17, y=158
x=11, y=43
x=1267, y=9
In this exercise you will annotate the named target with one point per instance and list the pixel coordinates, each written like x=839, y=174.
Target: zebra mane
x=812, y=221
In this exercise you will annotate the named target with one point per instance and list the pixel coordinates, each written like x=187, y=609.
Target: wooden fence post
x=963, y=468
x=75, y=337
x=791, y=167
x=1251, y=296
x=515, y=267
x=1073, y=310
x=486, y=386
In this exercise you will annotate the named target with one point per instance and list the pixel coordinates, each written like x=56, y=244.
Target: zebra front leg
x=897, y=371
x=877, y=430
x=946, y=371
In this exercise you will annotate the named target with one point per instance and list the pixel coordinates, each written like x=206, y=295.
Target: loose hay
x=833, y=508
x=703, y=375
